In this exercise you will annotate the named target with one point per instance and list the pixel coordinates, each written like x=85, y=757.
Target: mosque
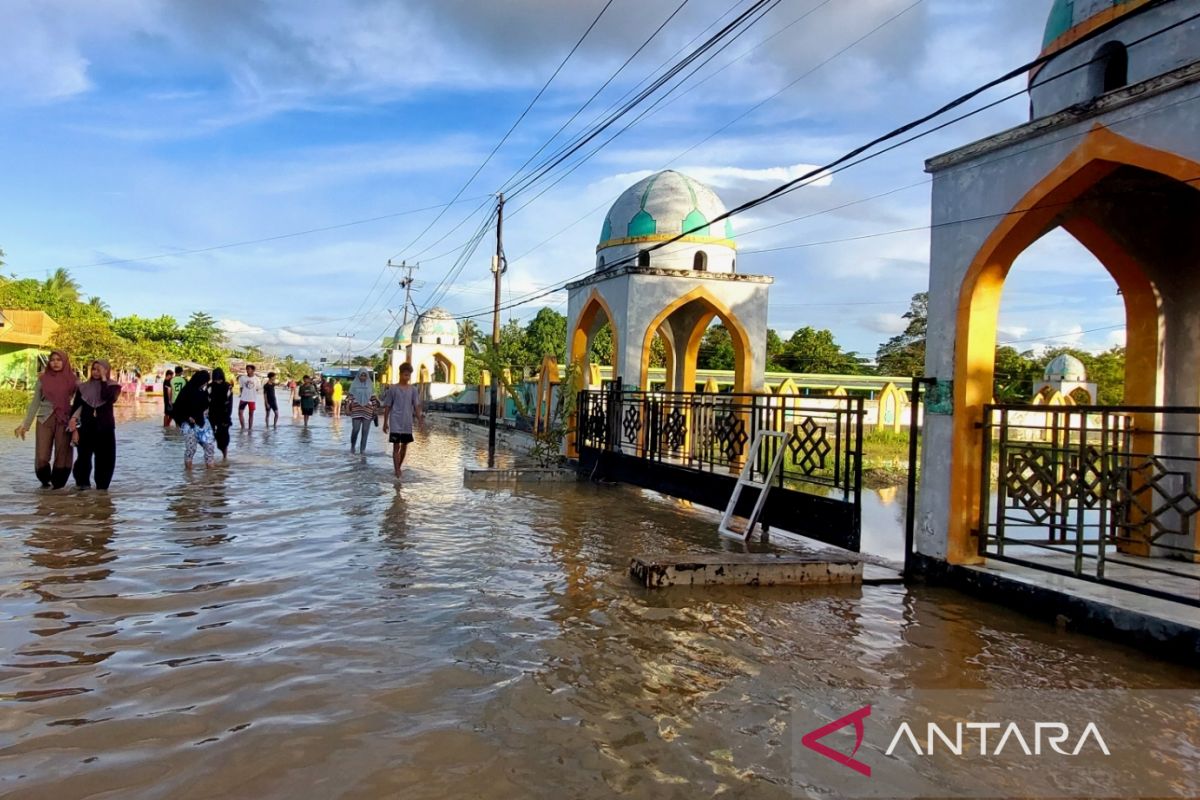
x=431, y=344
x=650, y=283
x=1110, y=155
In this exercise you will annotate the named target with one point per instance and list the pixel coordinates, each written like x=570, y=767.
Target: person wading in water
x=51, y=407
x=95, y=427
x=191, y=407
x=220, y=410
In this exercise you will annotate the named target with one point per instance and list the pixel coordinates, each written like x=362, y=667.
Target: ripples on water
x=293, y=625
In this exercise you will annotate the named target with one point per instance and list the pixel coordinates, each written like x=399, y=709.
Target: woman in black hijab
x=220, y=409
x=189, y=410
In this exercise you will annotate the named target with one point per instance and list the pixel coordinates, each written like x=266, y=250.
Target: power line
x=518, y=121
x=584, y=138
x=264, y=239
x=849, y=157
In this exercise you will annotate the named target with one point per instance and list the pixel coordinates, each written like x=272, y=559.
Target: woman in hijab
x=95, y=427
x=189, y=410
x=364, y=405
x=51, y=406
x=220, y=410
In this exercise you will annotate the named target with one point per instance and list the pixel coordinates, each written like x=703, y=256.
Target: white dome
x=1066, y=368
x=659, y=208
x=436, y=326
x=403, y=334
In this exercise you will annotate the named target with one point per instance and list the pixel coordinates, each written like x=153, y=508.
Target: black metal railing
x=714, y=433
x=1102, y=493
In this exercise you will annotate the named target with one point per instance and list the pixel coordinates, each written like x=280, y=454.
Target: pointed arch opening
x=1124, y=202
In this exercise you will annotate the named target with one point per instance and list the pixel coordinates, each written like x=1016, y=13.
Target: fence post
x=910, y=509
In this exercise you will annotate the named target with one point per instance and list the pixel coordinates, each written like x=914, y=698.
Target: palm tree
x=99, y=305
x=62, y=284
x=470, y=336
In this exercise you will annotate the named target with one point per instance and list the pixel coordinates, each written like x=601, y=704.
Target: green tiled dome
x=1066, y=14
x=665, y=204
x=437, y=325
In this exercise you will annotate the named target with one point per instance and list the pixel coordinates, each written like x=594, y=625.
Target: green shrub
x=13, y=401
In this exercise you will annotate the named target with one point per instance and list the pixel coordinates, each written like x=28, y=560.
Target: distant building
x=24, y=345
x=432, y=346
x=1067, y=376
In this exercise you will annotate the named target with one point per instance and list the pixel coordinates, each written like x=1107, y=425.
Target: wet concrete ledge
x=1159, y=627
x=482, y=476
x=745, y=569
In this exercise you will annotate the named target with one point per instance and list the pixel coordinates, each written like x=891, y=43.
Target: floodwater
x=294, y=624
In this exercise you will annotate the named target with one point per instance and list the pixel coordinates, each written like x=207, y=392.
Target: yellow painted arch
x=714, y=308
x=1099, y=154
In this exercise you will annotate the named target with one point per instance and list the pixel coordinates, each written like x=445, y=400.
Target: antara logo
x=811, y=740
x=968, y=738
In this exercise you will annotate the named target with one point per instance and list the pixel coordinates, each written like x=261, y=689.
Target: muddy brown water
x=295, y=625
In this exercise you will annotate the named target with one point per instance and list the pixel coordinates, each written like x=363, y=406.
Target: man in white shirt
x=248, y=388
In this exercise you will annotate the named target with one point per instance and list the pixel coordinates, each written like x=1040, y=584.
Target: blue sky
x=144, y=128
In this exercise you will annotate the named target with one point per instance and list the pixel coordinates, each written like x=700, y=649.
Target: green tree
x=816, y=351
x=513, y=352
x=61, y=284
x=1014, y=375
x=546, y=335
x=602, y=346
x=904, y=354
x=716, y=349
x=774, y=351
x=162, y=329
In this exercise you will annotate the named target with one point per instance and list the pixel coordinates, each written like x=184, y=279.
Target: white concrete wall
x=982, y=186
x=679, y=255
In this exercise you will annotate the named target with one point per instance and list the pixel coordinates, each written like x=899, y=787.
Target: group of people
x=331, y=392
x=76, y=426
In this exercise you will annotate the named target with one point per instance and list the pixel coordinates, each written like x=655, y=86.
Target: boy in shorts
x=248, y=397
x=401, y=407
x=269, y=400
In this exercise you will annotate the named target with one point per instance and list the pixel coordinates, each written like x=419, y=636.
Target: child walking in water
x=401, y=407
x=51, y=407
x=270, y=400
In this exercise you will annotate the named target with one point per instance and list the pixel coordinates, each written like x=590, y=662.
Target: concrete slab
x=745, y=569
x=482, y=476
x=1162, y=627
x=876, y=575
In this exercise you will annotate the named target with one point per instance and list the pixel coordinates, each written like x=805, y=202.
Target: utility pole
x=406, y=283
x=349, y=344
x=497, y=271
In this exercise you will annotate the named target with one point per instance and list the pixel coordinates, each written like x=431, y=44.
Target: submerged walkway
x=293, y=625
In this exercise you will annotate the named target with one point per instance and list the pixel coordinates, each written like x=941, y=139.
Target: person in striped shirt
x=364, y=406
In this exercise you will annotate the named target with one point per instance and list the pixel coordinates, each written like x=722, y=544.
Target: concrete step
x=745, y=569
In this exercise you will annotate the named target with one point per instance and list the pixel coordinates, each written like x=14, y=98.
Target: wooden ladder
x=747, y=479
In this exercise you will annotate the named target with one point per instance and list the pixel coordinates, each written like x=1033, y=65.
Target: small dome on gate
x=436, y=326
x=1066, y=368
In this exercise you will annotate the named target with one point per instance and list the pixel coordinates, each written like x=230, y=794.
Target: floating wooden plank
x=745, y=569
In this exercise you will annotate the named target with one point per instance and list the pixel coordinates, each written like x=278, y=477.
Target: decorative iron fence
x=1102, y=493
x=714, y=432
